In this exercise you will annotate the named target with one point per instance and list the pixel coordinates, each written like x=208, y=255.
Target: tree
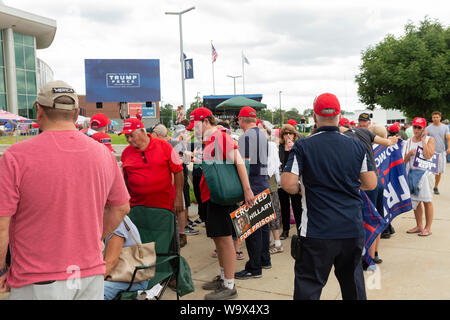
x=411, y=73
x=194, y=105
x=165, y=114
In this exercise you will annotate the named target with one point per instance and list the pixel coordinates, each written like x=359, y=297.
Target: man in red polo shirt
x=148, y=164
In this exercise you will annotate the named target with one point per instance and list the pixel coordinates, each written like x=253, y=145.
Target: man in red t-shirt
x=61, y=194
x=148, y=164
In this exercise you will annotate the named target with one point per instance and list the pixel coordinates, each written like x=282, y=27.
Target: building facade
x=21, y=72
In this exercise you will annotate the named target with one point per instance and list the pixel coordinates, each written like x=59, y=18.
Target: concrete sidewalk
x=413, y=267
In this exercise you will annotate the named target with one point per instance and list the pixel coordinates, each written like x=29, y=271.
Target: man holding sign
x=418, y=175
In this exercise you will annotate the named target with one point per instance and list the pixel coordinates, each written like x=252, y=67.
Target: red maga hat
x=421, y=122
x=292, y=122
x=130, y=125
x=198, y=115
x=247, y=112
x=327, y=105
x=99, y=120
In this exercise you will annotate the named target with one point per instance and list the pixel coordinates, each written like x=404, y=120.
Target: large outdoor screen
x=122, y=80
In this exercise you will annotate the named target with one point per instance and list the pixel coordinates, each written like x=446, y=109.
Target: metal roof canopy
x=44, y=29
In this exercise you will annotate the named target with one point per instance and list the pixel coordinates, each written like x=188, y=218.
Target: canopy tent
x=237, y=103
x=82, y=120
x=6, y=116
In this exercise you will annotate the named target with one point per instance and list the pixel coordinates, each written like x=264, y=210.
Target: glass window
x=22, y=104
x=18, y=38
x=30, y=61
x=31, y=82
x=28, y=40
x=2, y=101
x=2, y=62
x=2, y=80
x=20, y=60
x=21, y=83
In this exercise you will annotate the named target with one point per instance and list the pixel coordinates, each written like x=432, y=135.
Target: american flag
x=214, y=53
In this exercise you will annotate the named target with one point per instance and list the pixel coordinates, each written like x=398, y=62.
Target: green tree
x=165, y=114
x=194, y=105
x=410, y=73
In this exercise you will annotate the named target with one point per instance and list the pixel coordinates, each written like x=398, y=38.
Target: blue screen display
x=122, y=80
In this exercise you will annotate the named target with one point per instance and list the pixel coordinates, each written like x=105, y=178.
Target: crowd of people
x=84, y=195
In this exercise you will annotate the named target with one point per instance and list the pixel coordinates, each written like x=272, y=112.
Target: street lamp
x=234, y=81
x=181, y=52
x=281, y=123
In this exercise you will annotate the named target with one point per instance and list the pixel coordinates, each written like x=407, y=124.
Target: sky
x=301, y=48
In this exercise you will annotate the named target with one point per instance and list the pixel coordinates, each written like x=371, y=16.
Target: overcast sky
x=302, y=48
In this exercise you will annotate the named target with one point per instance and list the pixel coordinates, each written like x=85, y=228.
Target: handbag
x=132, y=257
x=222, y=178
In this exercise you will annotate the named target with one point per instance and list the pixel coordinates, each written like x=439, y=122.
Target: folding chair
x=160, y=226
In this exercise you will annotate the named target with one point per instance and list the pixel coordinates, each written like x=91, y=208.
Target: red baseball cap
x=198, y=115
x=104, y=139
x=130, y=125
x=352, y=123
x=292, y=122
x=394, y=127
x=327, y=105
x=421, y=122
x=99, y=120
x=344, y=122
x=247, y=112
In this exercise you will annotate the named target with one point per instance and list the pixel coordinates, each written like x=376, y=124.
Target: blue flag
x=397, y=198
x=374, y=224
x=392, y=171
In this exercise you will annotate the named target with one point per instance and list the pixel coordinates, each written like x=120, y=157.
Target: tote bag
x=223, y=180
x=132, y=257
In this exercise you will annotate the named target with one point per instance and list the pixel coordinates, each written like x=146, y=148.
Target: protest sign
x=421, y=162
x=248, y=220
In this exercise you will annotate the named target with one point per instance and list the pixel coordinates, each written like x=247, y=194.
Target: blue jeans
x=112, y=288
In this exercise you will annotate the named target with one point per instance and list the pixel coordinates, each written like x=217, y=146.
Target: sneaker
x=239, y=255
x=244, y=275
x=377, y=259
x=436, y=191
x=284, y=235
x=274, y=249
x=222, y=293
x=198, y=221
x=191, y=223
x=190, y=231
x=267, y=266
x=214, y=284
x=385, y=235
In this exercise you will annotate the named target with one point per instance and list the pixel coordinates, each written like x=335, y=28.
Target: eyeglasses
x=143, y=157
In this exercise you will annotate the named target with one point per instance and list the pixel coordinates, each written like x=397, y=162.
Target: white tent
x=83, y=120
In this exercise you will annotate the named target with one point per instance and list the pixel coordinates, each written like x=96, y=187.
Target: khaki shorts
x=89, y=288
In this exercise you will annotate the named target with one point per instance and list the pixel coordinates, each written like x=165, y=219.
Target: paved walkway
x=413, y=267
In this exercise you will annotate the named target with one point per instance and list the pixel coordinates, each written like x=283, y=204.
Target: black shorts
x=218, y=220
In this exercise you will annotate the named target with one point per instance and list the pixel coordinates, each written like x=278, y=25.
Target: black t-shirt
x=367, y=137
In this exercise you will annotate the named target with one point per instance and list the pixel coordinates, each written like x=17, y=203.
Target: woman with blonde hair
x=288, y=136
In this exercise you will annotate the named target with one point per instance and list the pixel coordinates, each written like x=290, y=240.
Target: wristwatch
x=3, y=271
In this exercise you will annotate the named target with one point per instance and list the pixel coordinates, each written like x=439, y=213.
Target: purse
x=132, y=257
x=222, y=178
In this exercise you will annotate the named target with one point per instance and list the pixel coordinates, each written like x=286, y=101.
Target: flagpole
x=243, y=74
x=212, y=63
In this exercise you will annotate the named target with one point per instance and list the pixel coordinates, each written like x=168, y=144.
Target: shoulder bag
x=132, y=257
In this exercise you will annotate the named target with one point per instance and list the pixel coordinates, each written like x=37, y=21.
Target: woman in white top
x=420, y=139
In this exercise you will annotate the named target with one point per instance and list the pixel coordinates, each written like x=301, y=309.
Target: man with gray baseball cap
x=55, y=239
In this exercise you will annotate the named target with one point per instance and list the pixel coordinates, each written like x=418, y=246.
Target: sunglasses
x=288, y=133
x=143, y=157
x=417, y=127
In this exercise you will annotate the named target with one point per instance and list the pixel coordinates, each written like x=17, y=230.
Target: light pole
x=234, y=81
x=281, y=123
x=181, y=52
